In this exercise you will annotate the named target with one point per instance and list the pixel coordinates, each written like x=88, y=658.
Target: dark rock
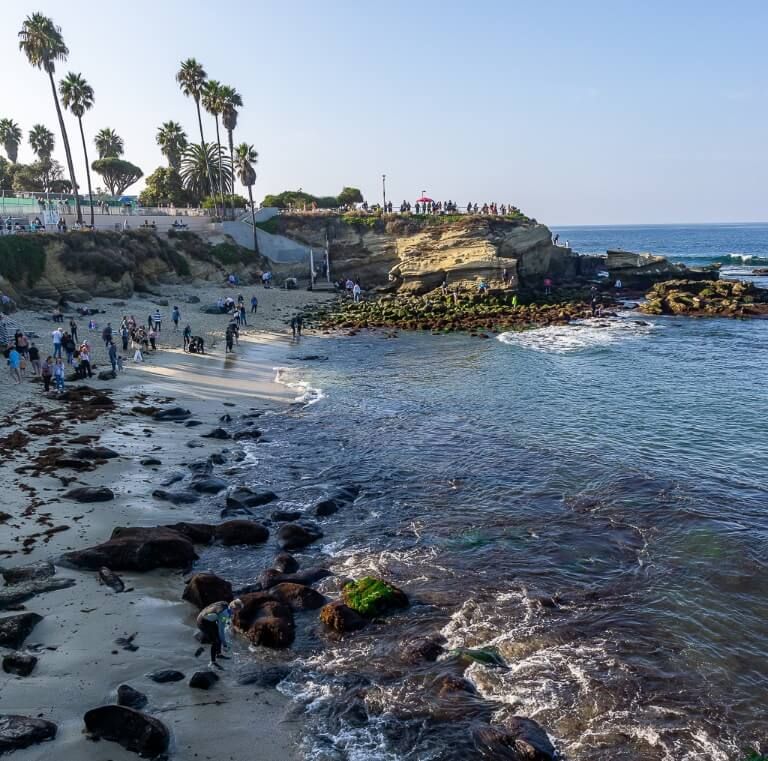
x=201, y=467
x=111, y=579
x=174, y=478
x=265, y=620
x=15, y=629
x=298, y=596
x=272, y=576
x=193, y=423
x=130, y=698
x=245, y=497
x=217, y=433
x=327, y=507
x=176, y=497
x=217, y=458
x=285, y=563
x=203, y=680
x=373, y=597
x=19, y=664
x=197, y=533
x=193, y=299
x=164, y=676
x=294, y=536
x=172, y=413
x=11, y=596
x=206, y=588
x=263, y=676
x=96, y=453
x=134, y=730
x=41, y=570
x=234, y=512
x=137, y=549
x=18, y=732
x=448, y=684
x=225, y=418
x=241, y=532
x=195, y=444
x=340, y=618
x=150, y=462
x=422, y=649
x=521, y=740
x=106, y=375
x=90, y=494
x=250, y=434
x=286, y=515
x=209, y=485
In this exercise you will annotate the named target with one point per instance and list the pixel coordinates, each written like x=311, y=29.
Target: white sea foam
x=579, y=335
x=306, y=394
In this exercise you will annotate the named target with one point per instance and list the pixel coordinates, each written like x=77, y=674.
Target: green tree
x=77, y=96
x=191, y=77
x=164, y=187
x=109, y=144
x=213, y=103
x=231, y=101
x=245, y=158
x=172, y=141
x=42, y=176
x=231, y=199
x=6, y=174
x=349, y=196
x=42, y=43
x=194, y=169
x=118, y=174
x=10, y=136
x=42, y=141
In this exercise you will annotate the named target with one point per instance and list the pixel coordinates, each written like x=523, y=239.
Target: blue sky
x=579, y=113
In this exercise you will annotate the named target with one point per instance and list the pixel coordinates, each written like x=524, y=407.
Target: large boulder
x=134, y=730
x=90, y=494
x=521, y=740
x=11, y=596
x=284, y=562
x=265, y=620
x=203, y=680
x=241, y=532
x=138, y=549
x=203, y=589
x=172, y=414
x=209, y=485
x=130, y=698
x=271, y=576
x=42, y=570
x=373, y=597
x=17, y=732
x=15, y=629
x=217, y=433
x=298, y=596
x=341, y=618
x=294, y=536
x=182, y=497
x=164, y=676
x=96, y=453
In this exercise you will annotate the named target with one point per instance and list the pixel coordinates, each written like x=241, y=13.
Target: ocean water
x=738, y=247
x=587, y=503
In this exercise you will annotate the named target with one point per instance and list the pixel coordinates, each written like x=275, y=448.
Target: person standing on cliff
x=547, y=286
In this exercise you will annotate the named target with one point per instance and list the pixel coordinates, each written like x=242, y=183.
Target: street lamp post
x=384, y=190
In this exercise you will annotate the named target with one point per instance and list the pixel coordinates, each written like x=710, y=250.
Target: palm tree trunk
x=232, y=159
x=68, y=152
x=205, y=153
x=87, y=168
x=221, y=175
x=253, y=219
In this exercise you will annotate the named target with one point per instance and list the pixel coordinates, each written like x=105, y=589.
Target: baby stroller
x=196, y=345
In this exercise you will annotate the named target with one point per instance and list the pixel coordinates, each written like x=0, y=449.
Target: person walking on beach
x=187, y=336
x=157, y=319
x=242, y=315
x=14, y=363
x=73, y=330
x=85, y=362
x=34, y=358
x=113, y=356
x=46, y=372
x=175, y=316
x=254, y=304
x=212, y=622
x=228, y=338
x=106, y=334
x=124, y=335
x=57, y=337
x=58, y=374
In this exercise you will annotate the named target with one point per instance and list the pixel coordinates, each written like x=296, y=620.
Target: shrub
x=229, y=254
x=22, y=258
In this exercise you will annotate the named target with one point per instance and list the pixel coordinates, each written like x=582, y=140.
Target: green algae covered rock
x=373, y=597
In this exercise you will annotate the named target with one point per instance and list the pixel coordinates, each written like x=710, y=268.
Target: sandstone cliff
x=78, y=265
x=419, y=253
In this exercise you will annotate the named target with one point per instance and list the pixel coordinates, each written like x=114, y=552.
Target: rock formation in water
x=640, y=271
x=714, y=298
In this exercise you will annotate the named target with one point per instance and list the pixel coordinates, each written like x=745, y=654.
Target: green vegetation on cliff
x=22, y=259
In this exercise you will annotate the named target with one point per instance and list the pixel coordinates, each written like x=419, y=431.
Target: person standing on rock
x=73, y=330
x=212, y=622
x=14, y=363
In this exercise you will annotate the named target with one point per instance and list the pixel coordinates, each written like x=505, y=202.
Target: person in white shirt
x=57, y=335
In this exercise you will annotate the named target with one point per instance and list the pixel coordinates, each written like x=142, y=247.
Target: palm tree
x=41, y=41
x=194, y=168
x=245, y=158
x=108, y=143
x=213, y=103
x=42, y=141
x=191, y=77
x=10, y=136
x=231, y=100
x=172, y=141
x=77, y=96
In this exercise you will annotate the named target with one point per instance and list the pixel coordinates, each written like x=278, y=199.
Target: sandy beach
x=80, y=666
